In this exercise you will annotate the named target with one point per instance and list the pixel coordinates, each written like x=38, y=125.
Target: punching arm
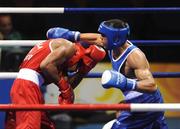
x=75, y=36
x=58, y=32
x=92, y=38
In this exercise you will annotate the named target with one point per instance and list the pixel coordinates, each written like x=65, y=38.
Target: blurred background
x=143, y=26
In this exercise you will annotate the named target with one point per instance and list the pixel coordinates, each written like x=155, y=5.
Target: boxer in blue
x=131, y=74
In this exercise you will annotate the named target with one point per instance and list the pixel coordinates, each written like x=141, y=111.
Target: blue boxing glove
x=111, y=78
x=59, y=32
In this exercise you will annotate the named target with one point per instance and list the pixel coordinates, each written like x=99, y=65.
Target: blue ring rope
x=155, y=42
x=119, y=10
x=155, y=74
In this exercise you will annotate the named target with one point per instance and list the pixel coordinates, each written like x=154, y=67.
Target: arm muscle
x=142, y=71
x=58, y=56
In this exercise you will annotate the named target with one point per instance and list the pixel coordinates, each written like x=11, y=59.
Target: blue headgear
x=116, y=36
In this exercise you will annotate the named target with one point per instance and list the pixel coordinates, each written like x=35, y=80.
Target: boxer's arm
x=59, y=32
x=146, y=82
x=62, y=50
x=58, y=56
x=139, y=63
x=75, y=79
x=92, y=38
x=75, y=36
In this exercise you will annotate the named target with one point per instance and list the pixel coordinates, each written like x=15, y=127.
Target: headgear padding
x=116, y=36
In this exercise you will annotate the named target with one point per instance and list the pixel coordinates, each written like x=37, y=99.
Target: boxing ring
x=92, y=107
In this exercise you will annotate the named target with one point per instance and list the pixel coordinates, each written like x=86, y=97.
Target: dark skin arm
x=139, y=63
x=62, y=51
x=75, y=79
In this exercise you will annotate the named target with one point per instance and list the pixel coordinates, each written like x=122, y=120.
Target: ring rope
x=19, y=42
x=155, y=74
x=120, y=10
x=61, y=10
x=94, y=107
x=12, y=75
x=136, y=42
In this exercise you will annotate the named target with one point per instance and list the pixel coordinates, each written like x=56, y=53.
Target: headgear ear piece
x=116, y=36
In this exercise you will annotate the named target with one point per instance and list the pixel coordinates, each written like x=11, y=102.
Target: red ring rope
x=86, y=107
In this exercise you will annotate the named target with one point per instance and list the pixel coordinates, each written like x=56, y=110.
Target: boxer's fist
x=93, y=55
x=111, y=78
x=69, y=100
x=67, y=95
x=96, y=53
x=59, y=32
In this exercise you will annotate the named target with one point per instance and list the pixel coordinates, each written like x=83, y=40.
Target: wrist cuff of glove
x=75, y=36
x=85, y=69
x=63, y=84
x=66, y=93
x=131, y=84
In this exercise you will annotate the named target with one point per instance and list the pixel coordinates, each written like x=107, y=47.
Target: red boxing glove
x=67, y=94
x=87, y=65
x=93, y=55
x=96, y=53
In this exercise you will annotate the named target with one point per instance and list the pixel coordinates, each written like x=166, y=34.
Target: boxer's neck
x=118, y=51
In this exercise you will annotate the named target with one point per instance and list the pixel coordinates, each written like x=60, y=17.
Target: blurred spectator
x=7, y=54
x=7, y=30
x=1, y=36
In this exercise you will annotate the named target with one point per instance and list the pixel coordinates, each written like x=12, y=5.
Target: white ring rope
x=155, y=107
x=19, y=42
x=31, y=10
x=8, y=75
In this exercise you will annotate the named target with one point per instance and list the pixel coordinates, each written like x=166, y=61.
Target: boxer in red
x=49, y=62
